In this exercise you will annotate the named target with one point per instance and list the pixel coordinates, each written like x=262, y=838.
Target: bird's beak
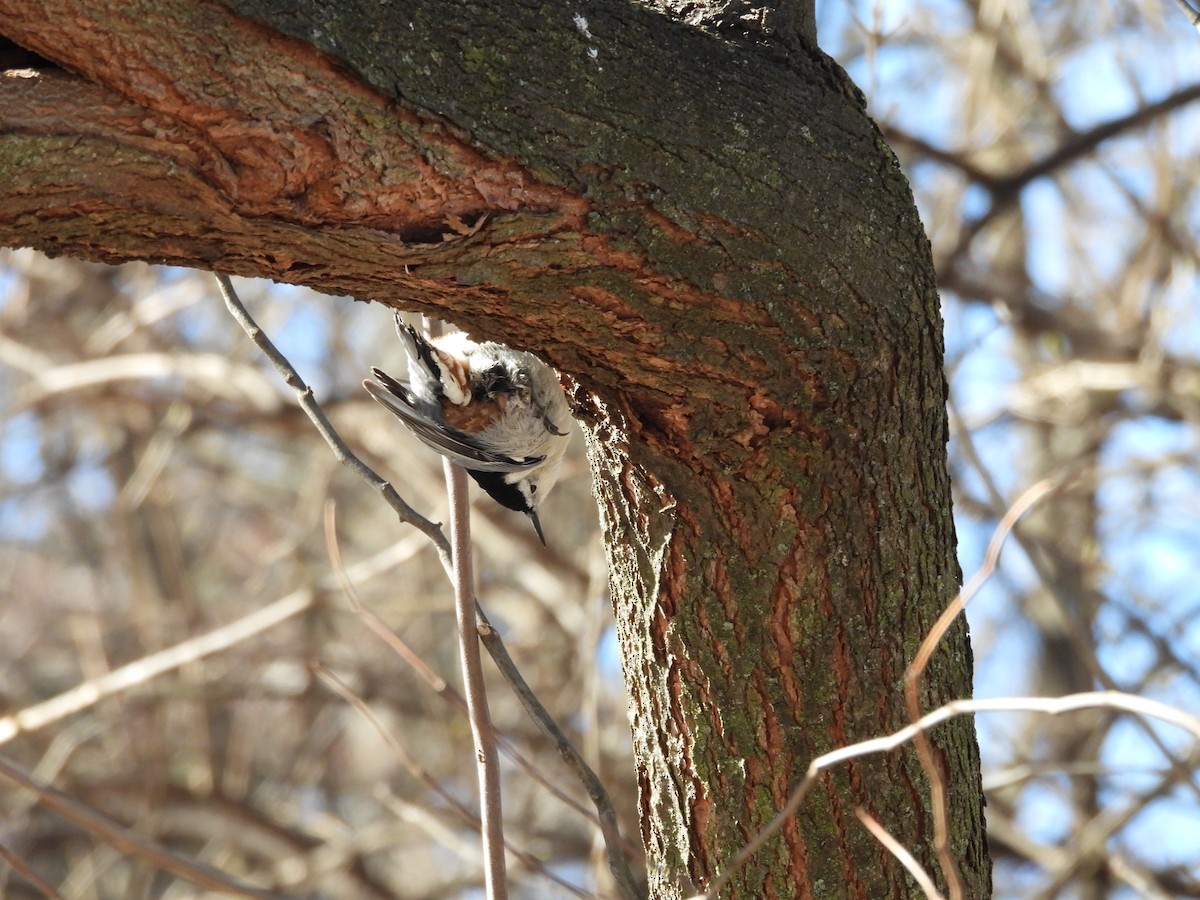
x=537, y=526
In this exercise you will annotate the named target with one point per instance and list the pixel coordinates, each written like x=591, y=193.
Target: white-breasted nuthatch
x=499, y=413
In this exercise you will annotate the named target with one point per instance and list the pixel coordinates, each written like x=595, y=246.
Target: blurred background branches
x=1053, y=150
x=158, y=481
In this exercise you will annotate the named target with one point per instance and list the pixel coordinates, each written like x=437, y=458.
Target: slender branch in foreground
x=617, y=862
x=1191, y=12
x=1053, y=706
x=487, y=761
x=129, y=842
x=901, y=853
x=916, y=671
x=617, y=845
x=491, y=639
x=419, y=772
x=26, y=871
x=308, y=403
x=1179, y=771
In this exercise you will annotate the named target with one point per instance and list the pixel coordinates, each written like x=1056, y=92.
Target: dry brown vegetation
x=158, y=483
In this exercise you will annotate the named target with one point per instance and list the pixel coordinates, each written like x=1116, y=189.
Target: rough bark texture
x=706, y=230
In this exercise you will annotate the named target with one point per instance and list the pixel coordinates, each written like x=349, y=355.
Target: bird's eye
x=533, y=489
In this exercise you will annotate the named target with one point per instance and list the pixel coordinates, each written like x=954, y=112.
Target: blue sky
x=1150, y=522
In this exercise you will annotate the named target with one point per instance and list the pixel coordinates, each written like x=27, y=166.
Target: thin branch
x=171, y=658
x=1191, y=12
x=617, y=863
x=1005, y=188
x=419, y=772
x=1081, y=643
x=487, y=760
x=444, y=690
x=916, y=670
x=474, y=691
x=901, y=853
x=957, y=159
x=1085, y=142
x=128, y=842
x=308, y=403
x=26, y=871
x=1052, y=706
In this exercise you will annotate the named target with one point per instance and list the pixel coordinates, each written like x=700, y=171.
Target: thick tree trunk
x=706, y=230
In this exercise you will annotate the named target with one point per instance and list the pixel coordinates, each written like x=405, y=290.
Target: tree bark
x=703, y=228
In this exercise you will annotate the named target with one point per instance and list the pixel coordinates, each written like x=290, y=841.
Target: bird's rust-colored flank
x=476, y=415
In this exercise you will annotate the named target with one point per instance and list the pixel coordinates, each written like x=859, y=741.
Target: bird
x=499, y=413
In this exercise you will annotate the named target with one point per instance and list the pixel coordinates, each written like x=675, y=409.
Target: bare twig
x=419, y=772
x=1053, y=706
x=1191, y=12
x=617, y=862
x=149, y=667
x=916, y=671
x=129, y=842
x=1006, y=187
x=495, y=646
x=901, y=853
x=26, y=871
x=308, y=403
x=474, y=690
x=1180, y=771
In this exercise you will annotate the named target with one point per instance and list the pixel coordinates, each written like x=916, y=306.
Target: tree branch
x=1053, y=706
x=123, y=840
x=1191, y=12
x=1005, y=187
x=312, y=409
x=487, y=763
x=604, y=815
x=618, y=864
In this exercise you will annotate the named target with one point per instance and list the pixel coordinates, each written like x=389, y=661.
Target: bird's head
x=520, y=491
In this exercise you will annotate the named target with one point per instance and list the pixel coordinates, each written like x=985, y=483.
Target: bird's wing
x=455, y=445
